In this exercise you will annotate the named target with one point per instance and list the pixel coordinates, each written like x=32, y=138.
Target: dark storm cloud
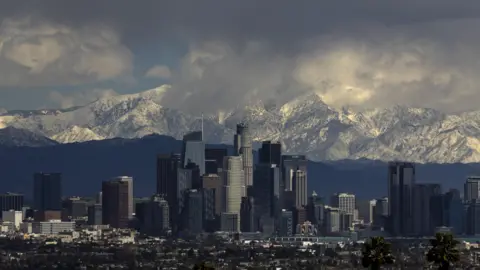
x=283, y=21
x=354, y=53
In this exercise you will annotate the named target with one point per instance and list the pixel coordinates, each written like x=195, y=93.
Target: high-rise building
x=316, y=211
x=270, y=153
x=167, y=166
x=98, y=199
x=423, y=212
x=267, y=190
x=193, y=211
x=209, y=211
x=11, y=201
x=193, y=150
x=473, y=217
x=216, y=155
x=472, y=188
x=247, y=215
x=366, y=210
x=47, y=195
x=233, y=187
x=243, y=148
x=286, y=223
x=213, y=181
x=290, y=164
x=380, y=215
x=117, y=202
x=156, y=220
x=345, y=202
x=230, y=222
x=299, y=183
x=95, y=214
x=454, y=211
x=332, y=220
x=401, y=180
x=172, y=179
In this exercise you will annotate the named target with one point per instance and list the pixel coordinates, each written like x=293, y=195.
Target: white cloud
x=35, y=52
x=78, y=98
x=161, y=72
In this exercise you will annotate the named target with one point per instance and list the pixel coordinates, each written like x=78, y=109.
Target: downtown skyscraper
x=233, y=191
x=401, y=182
x=243, y=147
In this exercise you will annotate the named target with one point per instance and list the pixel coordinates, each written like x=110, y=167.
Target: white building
x=15, y=217
x=233, y=185
x=52, y=227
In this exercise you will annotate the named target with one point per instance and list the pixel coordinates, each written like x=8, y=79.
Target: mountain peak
x=304, y=124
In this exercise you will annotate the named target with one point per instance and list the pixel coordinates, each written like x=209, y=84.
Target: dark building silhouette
x=156, y=220
x=115, y=203
x=11, y=201
x=266, y=190
x=47, y=193
x=95, y=214
x=196, y=175
x=213, y=181
x=167, y=166
x=211, y=166
x=74, y=207
x=47, y=196
x=270, y=153
x=401, y=181
x=428, y=210
x=247, y=215
x=215, y=156
x=193, y=211
x=210, y=220
x=169, y=172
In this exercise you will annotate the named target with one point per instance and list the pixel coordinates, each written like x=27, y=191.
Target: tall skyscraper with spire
x=243, y=148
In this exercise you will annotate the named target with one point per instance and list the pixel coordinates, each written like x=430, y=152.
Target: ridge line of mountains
x=304, y=125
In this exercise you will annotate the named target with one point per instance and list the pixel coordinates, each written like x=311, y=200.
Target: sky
x=219, y=54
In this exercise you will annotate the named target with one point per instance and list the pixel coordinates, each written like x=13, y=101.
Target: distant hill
x=86, y=165
x=13, y=137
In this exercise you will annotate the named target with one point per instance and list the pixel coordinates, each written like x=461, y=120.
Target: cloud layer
x=423, y=65
x=360, y=54
x=35, y=52
x=79, y=98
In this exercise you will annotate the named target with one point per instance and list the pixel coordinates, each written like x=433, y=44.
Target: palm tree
x=444, y=250
x=376, y=252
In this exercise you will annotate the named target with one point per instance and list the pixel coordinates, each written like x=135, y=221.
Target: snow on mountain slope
x=76, y=134
x=304, y=125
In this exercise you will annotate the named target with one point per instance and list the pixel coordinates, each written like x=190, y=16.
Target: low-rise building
x=52, y=227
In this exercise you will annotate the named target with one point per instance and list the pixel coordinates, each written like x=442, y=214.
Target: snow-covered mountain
x=303, y=125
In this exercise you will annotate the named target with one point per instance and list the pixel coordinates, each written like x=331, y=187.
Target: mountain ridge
x=304, y=125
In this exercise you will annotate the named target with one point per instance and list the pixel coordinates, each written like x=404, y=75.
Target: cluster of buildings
x=421, y=209
x=209, y=190
x=204, y=189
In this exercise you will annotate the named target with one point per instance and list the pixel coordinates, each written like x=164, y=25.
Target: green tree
x=376, y=252
x=444, y=251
